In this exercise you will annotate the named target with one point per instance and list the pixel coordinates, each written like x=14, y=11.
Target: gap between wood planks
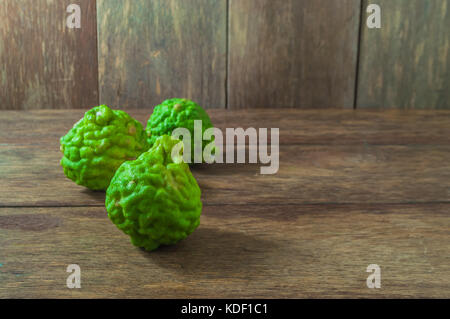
x=334, y=204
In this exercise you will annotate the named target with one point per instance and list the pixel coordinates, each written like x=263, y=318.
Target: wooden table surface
x=354, y=188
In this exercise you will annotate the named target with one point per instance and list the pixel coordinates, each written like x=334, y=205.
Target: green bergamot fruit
x=155, y=199
x=98, y=144
x=177, y=113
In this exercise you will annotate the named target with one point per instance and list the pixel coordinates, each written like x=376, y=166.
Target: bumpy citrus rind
x=154, y=199
x=177, y=113
x=98, y=144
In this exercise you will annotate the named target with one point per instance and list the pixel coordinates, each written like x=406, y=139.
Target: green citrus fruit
x=155, y=199
x=177, y=113
x=98, y=144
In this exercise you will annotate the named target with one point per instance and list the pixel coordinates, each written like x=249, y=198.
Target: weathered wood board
x=238, y=251
x=319, y=160
x=153, y=50
x=32, y=176
x=406, y=63
x=292, y=53
x=353, y=189
x=45, y=64
x=300, y=127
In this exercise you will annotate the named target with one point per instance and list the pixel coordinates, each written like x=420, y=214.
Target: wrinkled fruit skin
x=177, y=113
x=98, y=144
x=154, y=200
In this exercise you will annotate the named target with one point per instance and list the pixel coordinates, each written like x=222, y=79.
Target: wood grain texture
x=348, y=194
x=406, y=63
x=259, y=251
x=338, y=168
x=153, y=50
x=44, y=63
x=32, y=176
x=292, y=53
x=310, y=127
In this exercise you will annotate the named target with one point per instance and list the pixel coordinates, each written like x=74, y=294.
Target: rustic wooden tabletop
x=354, y=188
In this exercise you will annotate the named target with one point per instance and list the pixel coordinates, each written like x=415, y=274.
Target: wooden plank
x=329, y=156
x=259, y=251
x=406, y=63
x=44, y=63
x=292, y=53
x=326, y=127
x=32, y=176
x=153, y=50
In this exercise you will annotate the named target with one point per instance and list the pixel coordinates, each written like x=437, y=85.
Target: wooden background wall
x=225, y=54
x=407, y=63
x=44, y=64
